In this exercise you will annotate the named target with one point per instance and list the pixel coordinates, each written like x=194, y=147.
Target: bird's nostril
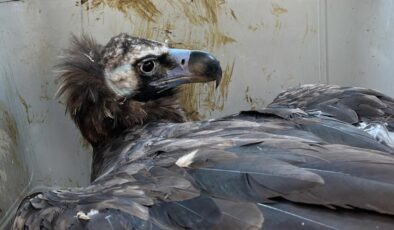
x=183, y=61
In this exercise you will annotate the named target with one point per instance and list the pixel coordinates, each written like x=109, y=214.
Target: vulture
x=281, y=167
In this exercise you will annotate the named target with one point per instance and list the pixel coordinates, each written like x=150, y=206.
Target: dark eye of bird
x=148, y=66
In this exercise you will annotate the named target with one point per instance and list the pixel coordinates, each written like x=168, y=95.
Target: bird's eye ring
x=148, y=67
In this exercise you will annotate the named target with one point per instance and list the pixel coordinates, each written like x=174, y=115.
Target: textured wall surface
x=361, y=43
x=264, y=46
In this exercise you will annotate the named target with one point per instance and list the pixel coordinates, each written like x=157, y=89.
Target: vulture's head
x=128, y=82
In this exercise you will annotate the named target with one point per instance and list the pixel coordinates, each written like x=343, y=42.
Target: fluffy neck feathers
x=100, y=122
x=97, y=111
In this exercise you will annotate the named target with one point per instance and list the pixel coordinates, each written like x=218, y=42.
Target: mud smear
x=10, y=125
x=233, y=15
x=205, y=96
x=252, y=28
x=204, y=13
x=26, y=107
x=197, y=12
x=255, y=103
x=189, y=100
x=227, y=74
x=9, y=134
x=277, y=10
x=32, y=117
x=44, y=92
x=216, y=38
x=309, y=29
x=144, y=8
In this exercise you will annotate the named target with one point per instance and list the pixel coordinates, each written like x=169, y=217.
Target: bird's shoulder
x=349, y=104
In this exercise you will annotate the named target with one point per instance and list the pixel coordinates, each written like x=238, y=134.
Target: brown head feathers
x=99, y=112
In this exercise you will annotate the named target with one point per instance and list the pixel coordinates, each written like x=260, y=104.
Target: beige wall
x=361, y=43
x=264, y=46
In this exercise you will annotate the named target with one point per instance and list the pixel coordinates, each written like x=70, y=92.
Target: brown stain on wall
x=144, y=8
x=309, y=29
x=189, y=100
x=26, y=107
x=278, y=10
x=9, y=125
x=9, y=122
x=198, y=12
x=204, y=13
x=233, y=15
x=216, y=38
x=255, y=103
x=30, y=116
x=211, y=8
x=278, y=24
x=227, y=74
x=44, y=92
x=252, y=28
x=268, y=77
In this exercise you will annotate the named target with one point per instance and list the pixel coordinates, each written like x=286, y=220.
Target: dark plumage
x=276, y=168
x=99, y=112
x=349, y=104
x=368, y=109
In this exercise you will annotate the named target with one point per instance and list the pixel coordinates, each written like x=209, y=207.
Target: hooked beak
x=191, y=66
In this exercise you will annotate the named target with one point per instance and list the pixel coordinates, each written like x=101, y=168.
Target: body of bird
x=275, y=168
